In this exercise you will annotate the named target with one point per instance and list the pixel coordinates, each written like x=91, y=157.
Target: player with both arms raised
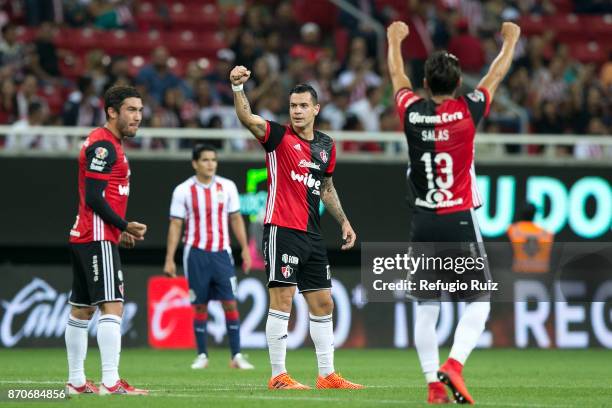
x=440, y=132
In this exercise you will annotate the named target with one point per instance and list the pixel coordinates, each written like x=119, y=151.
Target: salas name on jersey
x=296, y=170
x=101, y=157
x=441, y=175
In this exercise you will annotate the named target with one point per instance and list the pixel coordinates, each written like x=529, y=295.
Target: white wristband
x=237, y=88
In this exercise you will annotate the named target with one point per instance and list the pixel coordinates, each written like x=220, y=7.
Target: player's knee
x=325, y=305
x=281, y=298
x=83, y=313
x=114, y=308
x=229, y=305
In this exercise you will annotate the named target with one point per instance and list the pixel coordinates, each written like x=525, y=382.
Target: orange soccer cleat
x=336, y=381
x=450, y=375
x=285, y=382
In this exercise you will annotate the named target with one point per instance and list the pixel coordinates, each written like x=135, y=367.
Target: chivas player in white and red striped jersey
x=203, y=204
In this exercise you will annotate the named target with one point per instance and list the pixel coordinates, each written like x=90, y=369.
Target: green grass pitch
x=496, y=378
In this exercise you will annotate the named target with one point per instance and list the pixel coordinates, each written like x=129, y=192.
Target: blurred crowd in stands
x=561, y=90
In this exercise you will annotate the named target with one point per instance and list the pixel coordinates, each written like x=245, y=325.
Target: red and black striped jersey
x=441, y=173
x=101, y=157
x=296, y=168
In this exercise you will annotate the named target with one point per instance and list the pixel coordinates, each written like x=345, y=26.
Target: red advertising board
x=170, y=317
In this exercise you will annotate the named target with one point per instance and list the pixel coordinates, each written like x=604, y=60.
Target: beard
x=124, y=130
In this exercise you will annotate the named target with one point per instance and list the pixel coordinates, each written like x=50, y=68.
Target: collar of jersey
x=212, y=181
x=294, y=133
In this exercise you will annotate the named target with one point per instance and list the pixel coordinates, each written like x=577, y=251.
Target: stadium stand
x=561, y=77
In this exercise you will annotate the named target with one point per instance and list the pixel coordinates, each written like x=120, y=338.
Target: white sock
x=76, y=348
x=109, y=342
x=322, y=334
x=426, y=340
x=276, y=334
x=470, y=327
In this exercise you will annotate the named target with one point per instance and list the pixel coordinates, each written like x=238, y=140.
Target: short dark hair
x=303, y=88
x=527, y=212
x=202, y=147
x=116, y=94
x=34, y=107
x=442, y=72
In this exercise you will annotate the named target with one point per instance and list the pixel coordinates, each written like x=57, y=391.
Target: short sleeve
x=274, y=135
x=233, y=204
x=178, y=205
x=404, y=98
x=478, y=102
x=332, y=162
x=100, y=158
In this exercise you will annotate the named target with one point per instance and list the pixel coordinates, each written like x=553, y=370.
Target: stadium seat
x=322, y=12
x=232, y=17
x=188, y=44
x=598, y=26
x=563, y=6
x=587, y=53
x=129, y=43
x=149, y=17
x=531, y=25
x=80, y=41
x=195, y=17
x=563, y=23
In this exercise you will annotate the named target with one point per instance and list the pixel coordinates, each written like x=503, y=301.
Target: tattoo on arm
x=243, y=110
x=331, y=200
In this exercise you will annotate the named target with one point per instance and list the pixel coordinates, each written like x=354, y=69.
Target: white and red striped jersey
x=205, y=209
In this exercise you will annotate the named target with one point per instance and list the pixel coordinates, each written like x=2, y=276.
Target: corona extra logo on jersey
x=308, y=181
x=446, y=117
x=101, y=153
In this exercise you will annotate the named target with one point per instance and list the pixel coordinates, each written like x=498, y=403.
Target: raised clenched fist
x=397, y=31
x=239, y=75
x=510, y=31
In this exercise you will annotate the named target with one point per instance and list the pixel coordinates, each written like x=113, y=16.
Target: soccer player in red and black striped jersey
x=440, y=131
x=104, y=187
x=300, y=162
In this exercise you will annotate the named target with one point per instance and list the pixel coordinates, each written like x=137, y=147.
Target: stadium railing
x=490, y=147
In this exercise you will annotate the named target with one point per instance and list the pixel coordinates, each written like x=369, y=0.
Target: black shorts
x=456, y=236
x=295, y=257
x=96, y=274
